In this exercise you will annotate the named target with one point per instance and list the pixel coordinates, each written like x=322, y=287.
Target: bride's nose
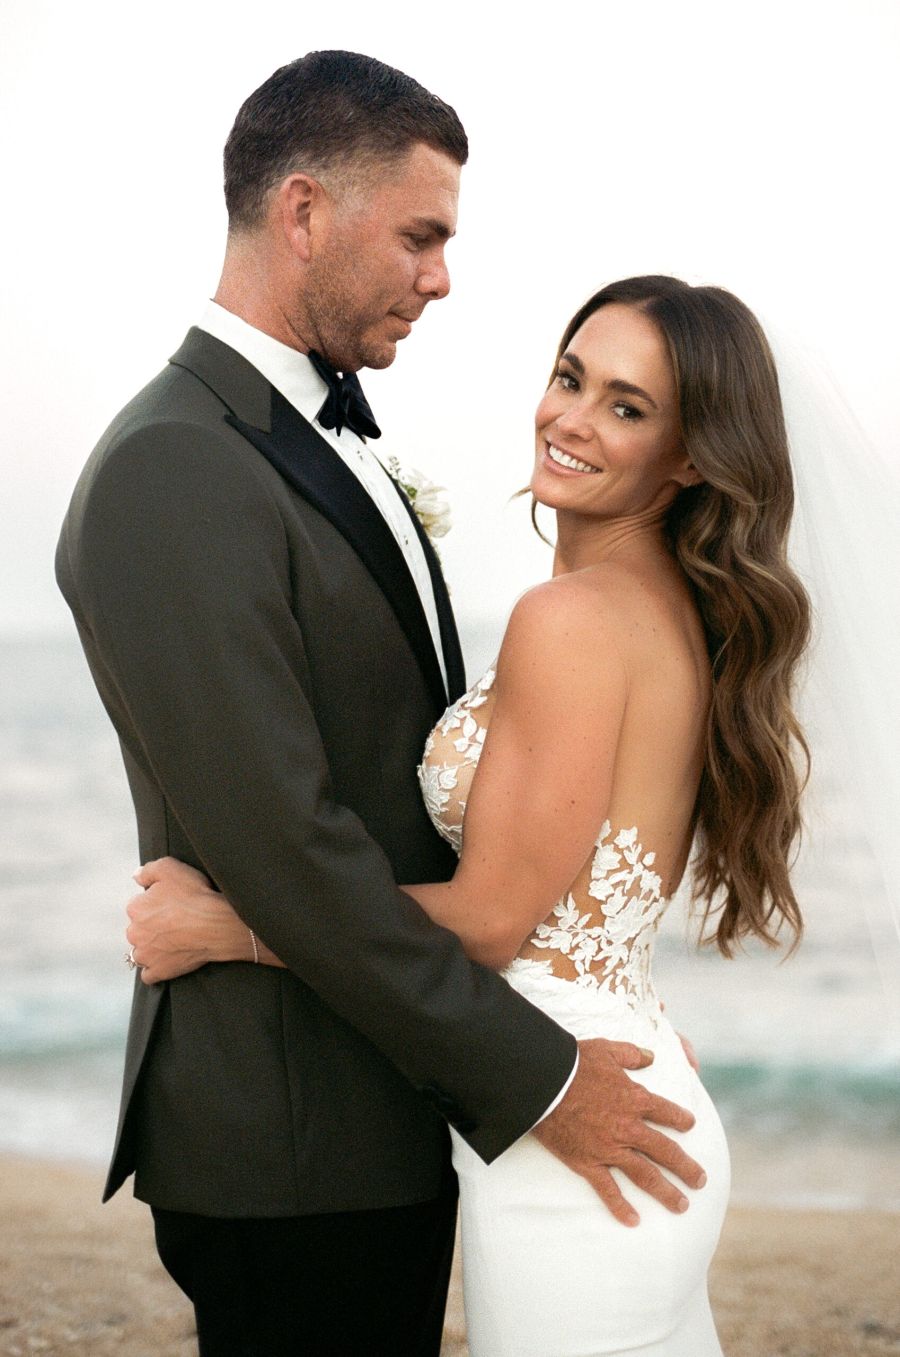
x=576, y=421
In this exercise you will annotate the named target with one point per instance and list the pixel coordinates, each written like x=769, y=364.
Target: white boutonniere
x=427, y=499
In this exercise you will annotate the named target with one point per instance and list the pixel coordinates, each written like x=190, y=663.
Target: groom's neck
x=253, y=287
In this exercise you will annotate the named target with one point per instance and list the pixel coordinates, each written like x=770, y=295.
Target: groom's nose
x=433, y=280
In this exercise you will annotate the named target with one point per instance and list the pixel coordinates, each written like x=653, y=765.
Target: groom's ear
x=298, y=202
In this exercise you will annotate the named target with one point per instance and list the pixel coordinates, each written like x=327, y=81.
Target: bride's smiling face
x=608, y=438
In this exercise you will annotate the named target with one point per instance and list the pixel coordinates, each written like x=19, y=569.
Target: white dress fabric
x=547, y=1270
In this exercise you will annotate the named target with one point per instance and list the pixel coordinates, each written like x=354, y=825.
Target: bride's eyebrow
x=573, y=361
x=629, y=389
x=614, y=384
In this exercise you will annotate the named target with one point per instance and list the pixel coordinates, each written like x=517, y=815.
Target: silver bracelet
x=255, y=945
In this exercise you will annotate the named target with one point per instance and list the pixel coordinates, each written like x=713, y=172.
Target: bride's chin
x=547, y=492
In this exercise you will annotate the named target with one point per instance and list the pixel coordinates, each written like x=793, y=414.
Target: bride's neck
x=583, y=542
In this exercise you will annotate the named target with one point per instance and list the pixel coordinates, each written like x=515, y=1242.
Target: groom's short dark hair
x=330, y=111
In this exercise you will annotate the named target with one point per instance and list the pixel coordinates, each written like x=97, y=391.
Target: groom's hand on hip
x=602, y=1123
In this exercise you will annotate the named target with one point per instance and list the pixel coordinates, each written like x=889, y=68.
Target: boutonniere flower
x=427, y=499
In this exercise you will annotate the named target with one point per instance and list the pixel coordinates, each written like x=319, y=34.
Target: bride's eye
x=567, y=380
x=626, y=412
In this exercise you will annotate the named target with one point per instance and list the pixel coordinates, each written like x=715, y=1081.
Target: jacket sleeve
x=181, y=572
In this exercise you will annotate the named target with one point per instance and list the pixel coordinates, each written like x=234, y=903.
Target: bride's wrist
x=228, y=938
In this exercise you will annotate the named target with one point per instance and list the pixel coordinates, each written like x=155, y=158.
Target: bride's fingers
x=136, y=905
x=148, y=872
x=661, y=1150
x=168, y=869
x=647, y=1176
x=139, y=957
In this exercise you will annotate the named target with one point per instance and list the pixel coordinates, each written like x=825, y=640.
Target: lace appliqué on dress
x=440, y=781
x=609, y=948
x=615, y=953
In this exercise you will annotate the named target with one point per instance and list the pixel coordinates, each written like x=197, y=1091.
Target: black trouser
x=352, y=1284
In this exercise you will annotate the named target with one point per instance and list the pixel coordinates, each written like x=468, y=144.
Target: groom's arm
x=182, y=579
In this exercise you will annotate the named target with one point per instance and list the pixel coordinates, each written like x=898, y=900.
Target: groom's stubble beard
x=342, y=317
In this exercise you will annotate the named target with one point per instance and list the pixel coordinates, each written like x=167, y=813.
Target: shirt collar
x=288, y=370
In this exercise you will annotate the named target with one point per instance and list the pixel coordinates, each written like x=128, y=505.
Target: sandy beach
x=83, y=1280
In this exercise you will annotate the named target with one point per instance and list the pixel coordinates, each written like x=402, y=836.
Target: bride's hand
x=179, y=922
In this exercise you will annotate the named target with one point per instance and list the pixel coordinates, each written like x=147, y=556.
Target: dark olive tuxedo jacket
x=261, y=649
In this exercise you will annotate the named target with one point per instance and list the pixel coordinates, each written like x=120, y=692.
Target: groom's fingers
x=664, y=1151
x=643, y=1174
x=654, y=1108
x=607, y=1189
x=624, y=1053
x=648, y=1177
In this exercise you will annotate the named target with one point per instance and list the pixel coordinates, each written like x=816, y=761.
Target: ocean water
x=802, y=1056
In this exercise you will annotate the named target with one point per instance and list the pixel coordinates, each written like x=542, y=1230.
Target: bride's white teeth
x=563, y=459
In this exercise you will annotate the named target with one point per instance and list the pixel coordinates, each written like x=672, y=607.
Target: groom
x=270, y=633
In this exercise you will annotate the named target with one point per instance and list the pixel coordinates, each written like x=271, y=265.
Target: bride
x=640, y=704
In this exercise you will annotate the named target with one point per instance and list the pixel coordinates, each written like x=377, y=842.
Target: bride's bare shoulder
x=604, y=599
x=570, y=625
x=590, y=622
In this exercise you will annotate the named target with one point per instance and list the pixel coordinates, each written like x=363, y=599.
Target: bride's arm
x=180, y=922
x=538, y=797
x=543, y=782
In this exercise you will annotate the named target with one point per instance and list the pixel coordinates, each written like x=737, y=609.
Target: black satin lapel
x=450, y=643
x=311, y=466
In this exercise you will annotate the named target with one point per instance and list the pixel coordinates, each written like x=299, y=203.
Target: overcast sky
x=753, y=146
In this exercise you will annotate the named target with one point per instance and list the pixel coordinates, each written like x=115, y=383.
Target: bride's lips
x=562, y=463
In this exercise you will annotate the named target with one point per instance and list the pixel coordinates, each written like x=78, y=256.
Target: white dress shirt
x=291, y=373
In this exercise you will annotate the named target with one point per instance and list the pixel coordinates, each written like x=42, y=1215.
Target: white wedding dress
x=547, y=1270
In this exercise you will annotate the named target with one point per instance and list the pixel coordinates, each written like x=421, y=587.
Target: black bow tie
x=345, y=403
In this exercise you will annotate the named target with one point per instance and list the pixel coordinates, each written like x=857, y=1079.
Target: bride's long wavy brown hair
x=729, y=535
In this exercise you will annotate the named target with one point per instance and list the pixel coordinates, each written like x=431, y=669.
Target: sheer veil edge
x=845, y=545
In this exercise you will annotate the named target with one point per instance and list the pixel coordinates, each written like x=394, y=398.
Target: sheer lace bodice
x=600, y=933
x=451, y=756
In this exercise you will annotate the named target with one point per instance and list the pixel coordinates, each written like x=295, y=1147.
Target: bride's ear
x=686, y=473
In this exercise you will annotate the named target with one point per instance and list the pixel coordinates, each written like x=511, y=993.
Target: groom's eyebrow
x=434, y=225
